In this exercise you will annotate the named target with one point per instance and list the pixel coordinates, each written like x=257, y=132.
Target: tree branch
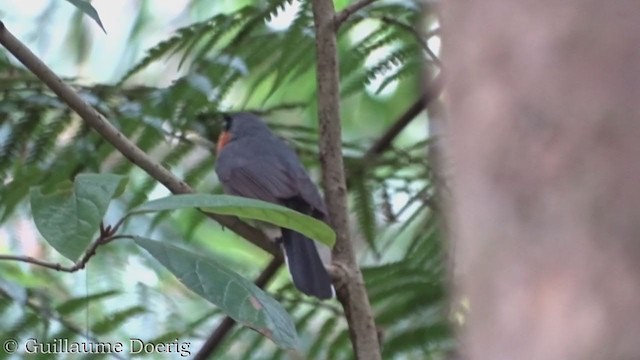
x=384, y=142
x=422, y=40
x=80, y=264
x=129, y=149
x=343, y=15
x=218, y=335
x=350, y=288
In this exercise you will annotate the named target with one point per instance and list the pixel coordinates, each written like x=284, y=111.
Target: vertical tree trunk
x=351, y=290
x=544, y=136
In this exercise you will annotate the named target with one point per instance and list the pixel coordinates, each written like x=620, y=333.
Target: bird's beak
x=223, y=139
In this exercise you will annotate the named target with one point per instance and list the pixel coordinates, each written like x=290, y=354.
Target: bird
x=253, y=162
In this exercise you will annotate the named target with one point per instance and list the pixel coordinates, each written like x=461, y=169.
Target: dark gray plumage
x=255, y=163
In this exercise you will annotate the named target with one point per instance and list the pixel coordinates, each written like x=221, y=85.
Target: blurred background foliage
x=160, y=74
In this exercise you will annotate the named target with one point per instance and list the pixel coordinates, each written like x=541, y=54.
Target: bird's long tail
x=307, y=270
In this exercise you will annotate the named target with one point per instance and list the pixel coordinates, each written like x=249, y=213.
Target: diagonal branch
x=109, y=132
x=384, y=142
x=343, y=15
x=422, y=40
x=350, y=288
x=220, y=332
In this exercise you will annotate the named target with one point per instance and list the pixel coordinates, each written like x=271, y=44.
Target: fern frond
x=243, y=18
x=409, y=69
x=439, y=335
x=408, y=302
x=141, y=192
x=116, y=319
x=46, y=136
x=297, y=52
x=363, y=204
x=199, y=171
x=13, y=192
x=13, y=150
x=78, y=303
x=322, y=336
x=182, y=38
x=339, y=346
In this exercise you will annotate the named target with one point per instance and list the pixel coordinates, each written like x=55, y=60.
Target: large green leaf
x=248, y=209
x=235, y=295
x=69, y=217
x=89, y=10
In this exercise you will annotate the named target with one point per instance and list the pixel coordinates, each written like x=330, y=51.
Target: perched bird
x=253, y=162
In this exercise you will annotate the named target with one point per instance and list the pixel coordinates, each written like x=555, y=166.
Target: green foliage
x=40, y=316
x=365, y=213
x=69, y=217
x=230, y=61
x=78, y=303
x=247, y=209
x=235, y=295
x=116, y=319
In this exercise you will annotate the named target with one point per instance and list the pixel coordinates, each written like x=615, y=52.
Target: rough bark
x=544, y=140
x=350, y=289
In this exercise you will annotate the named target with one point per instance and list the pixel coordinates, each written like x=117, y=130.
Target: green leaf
x=248, y=209
x=69, y=217
x=235, y=295
x=89, y=10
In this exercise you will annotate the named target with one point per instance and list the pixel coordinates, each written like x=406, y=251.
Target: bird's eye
x=227, y=122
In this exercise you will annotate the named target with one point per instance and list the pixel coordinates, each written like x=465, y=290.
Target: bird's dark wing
x=268, y=170
x=308, y=191
x=263, y=180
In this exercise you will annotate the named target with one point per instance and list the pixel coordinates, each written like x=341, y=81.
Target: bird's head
x=240, y=125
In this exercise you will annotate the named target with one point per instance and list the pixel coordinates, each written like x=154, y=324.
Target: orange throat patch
x=223, y=139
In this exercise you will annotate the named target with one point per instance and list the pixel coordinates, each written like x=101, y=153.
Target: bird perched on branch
x=254, y=163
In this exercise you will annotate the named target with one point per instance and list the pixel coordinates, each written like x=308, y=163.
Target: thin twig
x=315, y=303
x=31, y=260
x=419, y=38
x=116, y=227
x=110, y=133
x=78, y=265
x=220, y=332
x=343, y=15
x=384, y=142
